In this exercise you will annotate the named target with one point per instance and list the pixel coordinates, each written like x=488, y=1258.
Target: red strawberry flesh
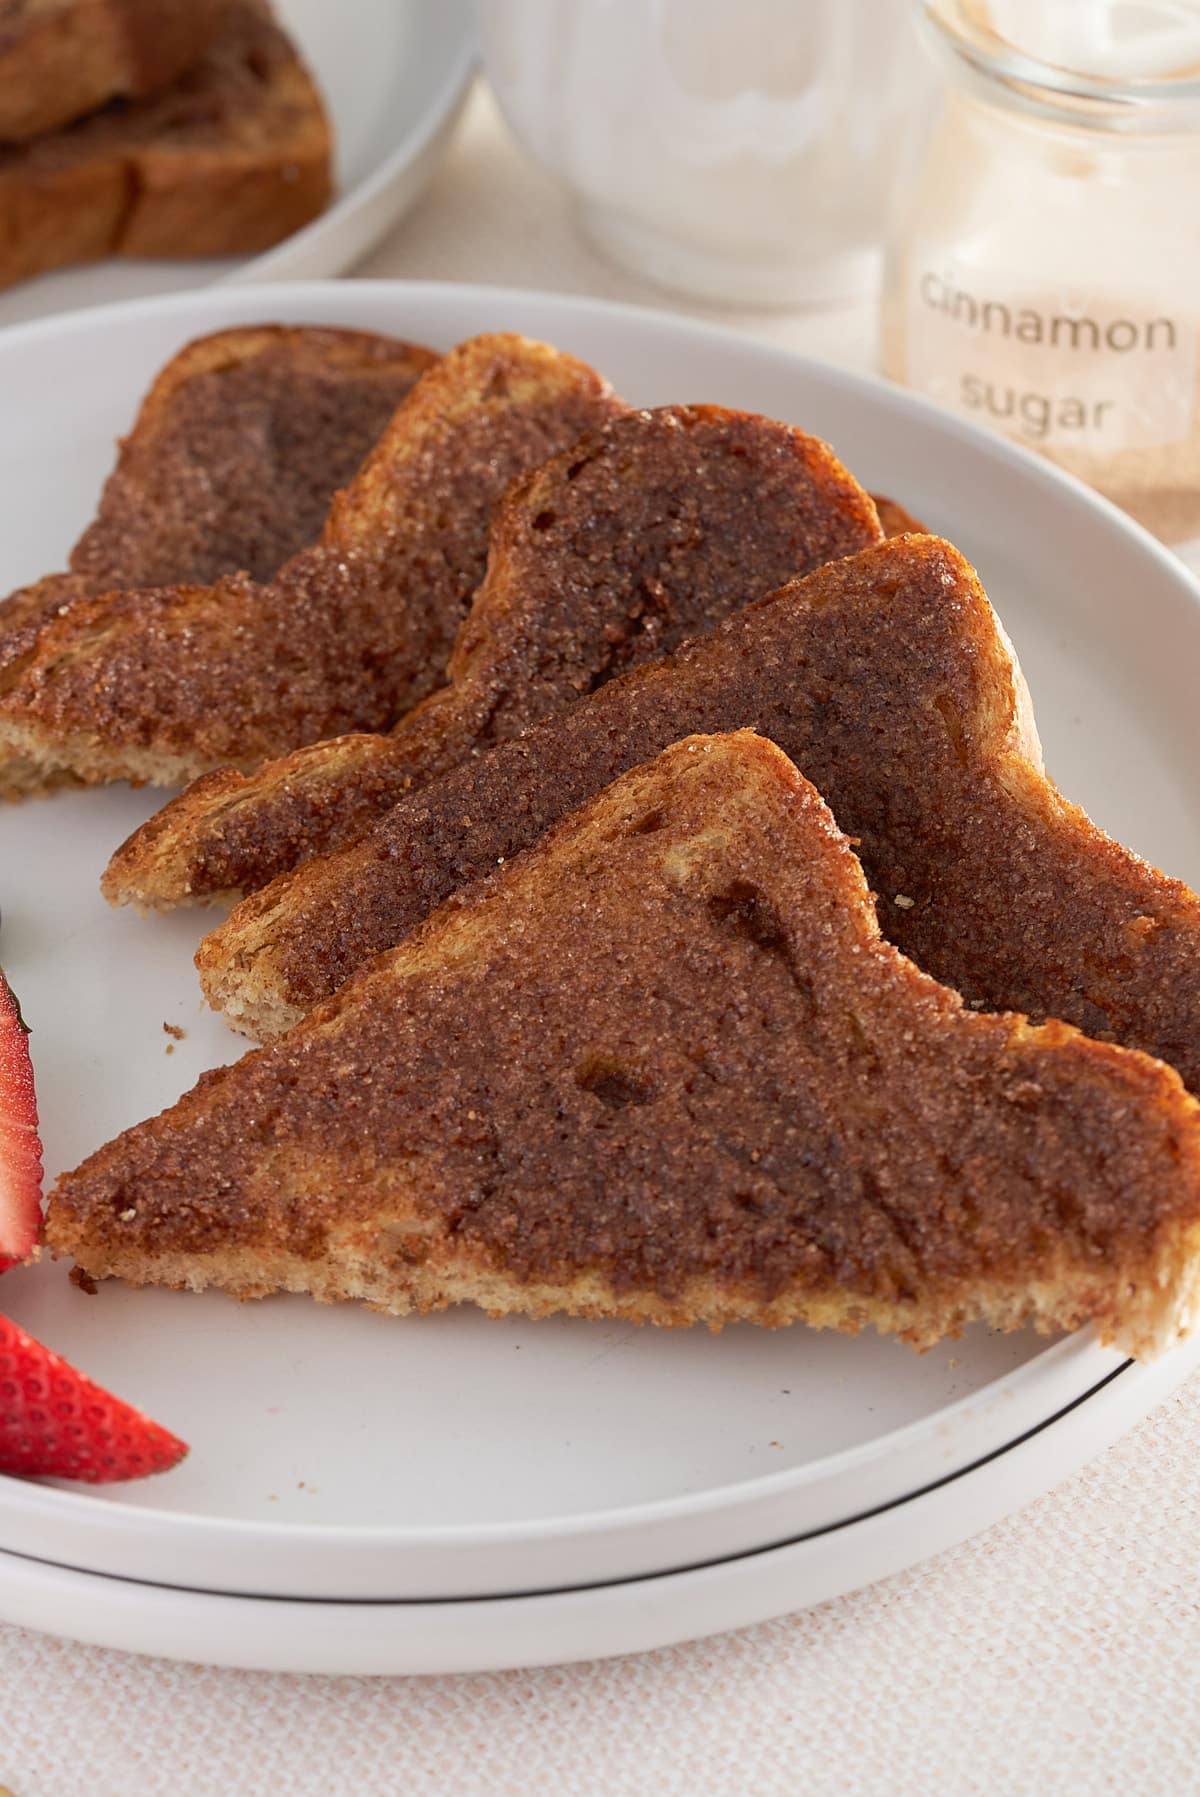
x=56, y=1423
x=20, y=1148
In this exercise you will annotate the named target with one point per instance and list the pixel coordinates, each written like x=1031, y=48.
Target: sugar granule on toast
x=888, y=678
x=663, y=1067
x=649, y=530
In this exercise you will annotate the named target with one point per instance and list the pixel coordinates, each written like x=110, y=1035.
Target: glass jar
x=1044, y=270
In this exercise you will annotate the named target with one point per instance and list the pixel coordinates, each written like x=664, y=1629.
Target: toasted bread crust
x=229, y=160
x=896, y=521
x=664, y=1067
x=887, y=677
x=1157, y=1309
x=60, y=59
x=652, y=529
x=161, y=684
x=231, y=463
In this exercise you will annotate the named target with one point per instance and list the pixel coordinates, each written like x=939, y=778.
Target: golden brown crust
x=160, y=684
x=886, y=678
x=232, y=463
x=664, y=1066
x=652, y=530
x=896, y=521
x=62, y=58
x=230, y=159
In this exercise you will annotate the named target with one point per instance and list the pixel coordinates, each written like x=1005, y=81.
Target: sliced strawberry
x=56, y=1423
x=20, y=1149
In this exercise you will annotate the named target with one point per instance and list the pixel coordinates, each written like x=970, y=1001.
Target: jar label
x=1048, y=366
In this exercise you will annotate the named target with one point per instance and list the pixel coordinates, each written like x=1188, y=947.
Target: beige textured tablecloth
x=1058, y=1653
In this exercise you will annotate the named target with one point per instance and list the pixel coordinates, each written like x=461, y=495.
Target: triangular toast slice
x=160, y=684
x=888, y=678
x=232, y=463
x=653, y=529
x=229, y=159
x=664, y=1068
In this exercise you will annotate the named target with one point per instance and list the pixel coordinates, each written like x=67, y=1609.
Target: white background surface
x=1057, y=1653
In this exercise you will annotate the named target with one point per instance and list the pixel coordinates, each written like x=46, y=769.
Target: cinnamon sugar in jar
x=1044, y=271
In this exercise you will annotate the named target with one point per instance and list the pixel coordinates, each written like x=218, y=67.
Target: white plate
x=585, y=1623
x=394, y=74
x=343, y=1456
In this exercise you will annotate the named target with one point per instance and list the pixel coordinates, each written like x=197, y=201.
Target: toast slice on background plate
x=887, y=678
x=664, y=1068
x=160, y=684
x=231, y=464
x=233, y=157
x=62, y=58
x=654, y=528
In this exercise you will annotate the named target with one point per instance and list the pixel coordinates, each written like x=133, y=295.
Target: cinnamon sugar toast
x=887, y=678
x=232, y=463
x=664, y=1068
x=160, y=684
x=653, y=529
x=231, y=158
x=62, y=58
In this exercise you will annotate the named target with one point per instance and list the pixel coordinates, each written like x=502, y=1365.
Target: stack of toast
x=645, y=878
x=163, y=128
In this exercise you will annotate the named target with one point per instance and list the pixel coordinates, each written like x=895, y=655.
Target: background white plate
x=338, y=1455
x=394, y=74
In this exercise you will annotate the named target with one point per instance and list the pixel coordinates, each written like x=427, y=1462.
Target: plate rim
x=850, y=1521
x=332, y=296
x=505, y=1631
x=447, y=1537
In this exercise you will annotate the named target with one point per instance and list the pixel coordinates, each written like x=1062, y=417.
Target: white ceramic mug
x=741, y=150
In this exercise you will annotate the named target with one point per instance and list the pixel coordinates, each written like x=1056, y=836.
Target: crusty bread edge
x=35, y=760
x=1160, y=1306
x=145, y=871
x=253, y=1004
